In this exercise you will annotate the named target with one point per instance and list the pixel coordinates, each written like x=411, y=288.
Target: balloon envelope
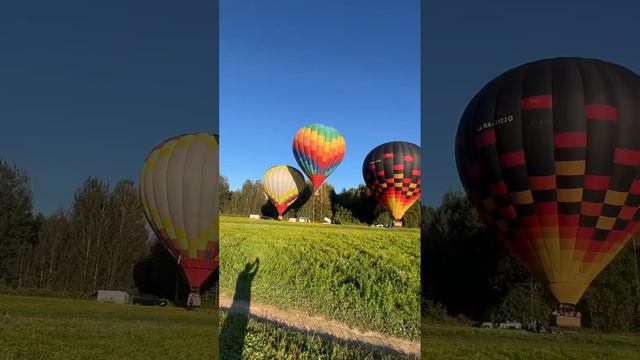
x=283, y=184
x=392, y=173
x=179, y=192
x=548, y=153
x=318, y=149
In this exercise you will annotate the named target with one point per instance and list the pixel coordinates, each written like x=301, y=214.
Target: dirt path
x=316, y=325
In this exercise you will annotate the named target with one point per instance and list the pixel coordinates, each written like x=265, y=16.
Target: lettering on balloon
x=496, y=122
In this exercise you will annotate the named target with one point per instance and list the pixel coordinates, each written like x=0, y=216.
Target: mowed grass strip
x=453, y=342
x=366, y=277
x=50, y=328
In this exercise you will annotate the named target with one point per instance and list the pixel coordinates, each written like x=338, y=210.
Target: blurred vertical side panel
x=423, y=212
x=216, y=125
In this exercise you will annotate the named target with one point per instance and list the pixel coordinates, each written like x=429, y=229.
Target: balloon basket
x=397, y=223
x=566, y=322
x=193, y=301
x=566, y=317
x=279, y=217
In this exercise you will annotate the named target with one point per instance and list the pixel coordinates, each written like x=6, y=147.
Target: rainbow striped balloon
x=318, y=149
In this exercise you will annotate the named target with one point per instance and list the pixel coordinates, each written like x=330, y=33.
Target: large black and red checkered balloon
x=548, y=153
x=392, y=173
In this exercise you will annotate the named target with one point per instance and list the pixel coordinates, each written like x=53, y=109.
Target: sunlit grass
x=363, y=276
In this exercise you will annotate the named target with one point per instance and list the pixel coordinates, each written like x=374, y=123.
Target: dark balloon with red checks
x=549, y=154
x=392, y=174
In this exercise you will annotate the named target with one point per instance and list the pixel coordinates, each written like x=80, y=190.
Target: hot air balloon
x=318, y=149
x=392, y=173
x=179, y=193
x=283, y=184
x=548, y=153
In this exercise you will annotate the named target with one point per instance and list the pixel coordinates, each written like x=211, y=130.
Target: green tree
x=523, y=302
x=225, y=194
x=128, y=239
x=459, y=257
x=359, y=202
x=48, y=262
x=383, y=218
x=89, y=221
x=342, y=215
x=412, y=217
x=611, y=303
x=18, y=229
x=315, y=207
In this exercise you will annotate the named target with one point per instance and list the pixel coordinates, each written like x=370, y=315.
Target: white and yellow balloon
x=179, y=193
x=283, y=185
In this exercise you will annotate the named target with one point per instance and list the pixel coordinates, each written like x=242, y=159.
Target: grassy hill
x=363, y=276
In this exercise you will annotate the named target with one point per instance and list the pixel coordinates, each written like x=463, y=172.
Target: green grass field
x=67, y=329
x=457, y=342
x=362, y=276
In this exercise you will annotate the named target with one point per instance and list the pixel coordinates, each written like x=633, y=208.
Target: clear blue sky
x=354, y=65
x=468, y=43
x=88, y=88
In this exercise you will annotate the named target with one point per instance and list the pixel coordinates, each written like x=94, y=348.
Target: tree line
x=467, y=274
x=92, y=245
x=101, y=242
x=349, y=206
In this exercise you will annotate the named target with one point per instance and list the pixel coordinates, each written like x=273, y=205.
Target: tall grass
x=366, y=277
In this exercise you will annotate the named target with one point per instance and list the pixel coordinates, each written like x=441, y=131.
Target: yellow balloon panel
x=179, y=192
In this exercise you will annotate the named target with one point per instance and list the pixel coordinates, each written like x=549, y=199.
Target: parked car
x=542, y=327
x=112, y=296
x=149, y=300
x=499, y=325
x=510, y=325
